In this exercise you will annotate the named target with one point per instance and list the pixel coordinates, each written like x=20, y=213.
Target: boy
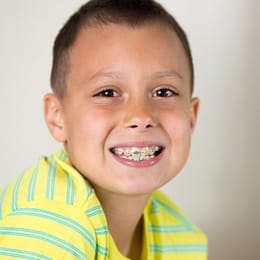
x=122, y=106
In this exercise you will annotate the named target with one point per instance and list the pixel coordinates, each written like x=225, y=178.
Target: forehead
x=143, y=49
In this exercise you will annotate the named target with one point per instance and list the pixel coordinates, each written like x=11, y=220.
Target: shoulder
x=51, y=188
x=52, y=183
x=46, y=210
x=52, y=180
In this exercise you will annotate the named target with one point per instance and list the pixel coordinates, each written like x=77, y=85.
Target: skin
x=145, y=73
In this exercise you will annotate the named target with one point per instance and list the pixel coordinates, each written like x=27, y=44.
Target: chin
x=140, y=188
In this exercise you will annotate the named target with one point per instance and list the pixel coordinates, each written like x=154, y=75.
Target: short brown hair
x=100, y=12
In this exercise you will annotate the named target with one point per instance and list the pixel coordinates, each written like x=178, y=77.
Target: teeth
x=119, y=151
x=137, y=154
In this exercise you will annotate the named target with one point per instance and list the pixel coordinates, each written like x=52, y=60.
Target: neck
x=124, y=218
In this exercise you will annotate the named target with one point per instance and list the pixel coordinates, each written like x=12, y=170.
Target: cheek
x=179, y=134
x=177, y=125
x=86, y=138
x=90, y=126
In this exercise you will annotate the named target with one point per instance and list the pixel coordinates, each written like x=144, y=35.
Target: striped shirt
x=51, y=212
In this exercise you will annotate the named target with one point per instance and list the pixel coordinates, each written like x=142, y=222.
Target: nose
x=139, y=115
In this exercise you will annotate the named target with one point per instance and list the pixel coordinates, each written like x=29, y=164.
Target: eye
x=107, y=93
x=164, y=92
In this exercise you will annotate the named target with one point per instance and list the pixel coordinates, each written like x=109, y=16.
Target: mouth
x=137, y=154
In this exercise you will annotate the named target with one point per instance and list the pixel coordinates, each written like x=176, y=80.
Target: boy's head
x=133, y=13
x=122, y=103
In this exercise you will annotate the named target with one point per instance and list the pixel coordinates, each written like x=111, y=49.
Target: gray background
x=219, y=187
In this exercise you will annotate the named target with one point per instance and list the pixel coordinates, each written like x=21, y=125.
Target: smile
x=137, y=153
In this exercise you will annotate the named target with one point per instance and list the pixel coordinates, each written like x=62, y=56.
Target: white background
x=220, y=186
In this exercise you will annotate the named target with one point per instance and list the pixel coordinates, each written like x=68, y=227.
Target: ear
x=194, y=109
x=53, y=114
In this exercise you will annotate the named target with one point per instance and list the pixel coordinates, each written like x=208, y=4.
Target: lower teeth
x=138, y=158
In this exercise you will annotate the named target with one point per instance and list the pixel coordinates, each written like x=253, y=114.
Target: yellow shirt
x=51, y=212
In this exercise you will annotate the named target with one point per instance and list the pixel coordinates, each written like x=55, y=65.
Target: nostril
x=133, y=126
x=136, y=126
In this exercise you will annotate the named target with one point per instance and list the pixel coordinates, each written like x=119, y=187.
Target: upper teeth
x=136, y=153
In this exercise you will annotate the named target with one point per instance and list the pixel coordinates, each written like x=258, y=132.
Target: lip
x=138, y=144
x=138, y=164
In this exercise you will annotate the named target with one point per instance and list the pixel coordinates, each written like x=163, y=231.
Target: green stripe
x=70, y=190
x=46, y=237
x=68, y=222
x=179, y=248
x=1, y=202
x=169, y=229
x=175, y=214
x=15, y=255
x=22, y=254
x=51, y=179
x=70, y=193
x=101, y=230
x=94, y=211
x=155, y=208
x=102, y=250
x=89, y=190
x=32, y=184
x=63, y=156
x=15, y=193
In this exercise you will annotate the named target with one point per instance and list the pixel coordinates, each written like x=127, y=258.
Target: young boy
x=122, y=105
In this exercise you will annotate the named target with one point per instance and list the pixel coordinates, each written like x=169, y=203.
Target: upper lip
x=137, y=144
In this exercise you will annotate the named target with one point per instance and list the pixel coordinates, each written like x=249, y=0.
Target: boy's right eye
x=107, y=93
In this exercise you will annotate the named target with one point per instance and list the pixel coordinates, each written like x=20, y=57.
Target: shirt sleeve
x=46, y=230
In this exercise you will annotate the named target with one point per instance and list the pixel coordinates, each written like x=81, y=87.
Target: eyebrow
x=157, y=74
x=110, y=74
x=168, y=73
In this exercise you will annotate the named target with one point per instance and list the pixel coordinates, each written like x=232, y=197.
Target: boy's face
x=127, y=117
